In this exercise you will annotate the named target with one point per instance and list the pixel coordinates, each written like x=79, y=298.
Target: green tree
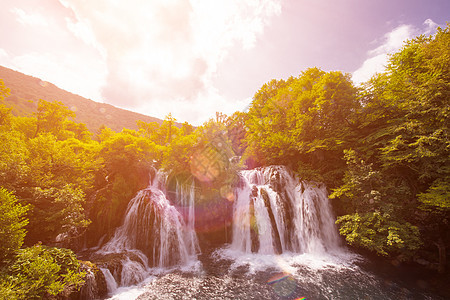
x=399, y=166
x=418, y=150
x=41, y=272
x=260, y=118
x=166, y=132
x=178, y=154
x=57, y=215
x=374, y=211
x=12, y=223
x=236, y=131
x=4, y=91
x=78, y=131
x=5, y=113
x=148, y=130
x=14, y=154
x=25, y=125
x=212, y=161
x=304, y=122
x=52, y=175
x=51, y=117
x=104, y=133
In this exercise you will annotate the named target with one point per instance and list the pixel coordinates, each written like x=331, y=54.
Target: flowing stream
x=285, y=245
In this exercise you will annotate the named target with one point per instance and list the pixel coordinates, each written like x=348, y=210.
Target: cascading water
x=275, y=213
x=111, y=283
x=285, y=245
x=154, y=233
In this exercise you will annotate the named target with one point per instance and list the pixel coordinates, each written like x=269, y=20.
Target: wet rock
x=275, y=234
x=95, y=283
x=254, y=236
x=113, y=262
x=254, y=191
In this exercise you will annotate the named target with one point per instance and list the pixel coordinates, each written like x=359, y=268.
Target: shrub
x=41, y=272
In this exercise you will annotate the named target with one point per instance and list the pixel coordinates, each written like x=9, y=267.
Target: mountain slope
x=27, y=90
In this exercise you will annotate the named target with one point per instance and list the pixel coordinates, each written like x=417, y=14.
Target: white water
x=285, y=225
x=279, y=222
x=276, y=213
x=281, y=226
x=153, y=236
x=110, y=281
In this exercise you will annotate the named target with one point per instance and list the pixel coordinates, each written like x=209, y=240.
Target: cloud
x=162, y=53
x=28, y=18
x=198, y=110
x=378, y=57
x=82, y=31
x=391, y=43
x=431, y=26
x=3, y=54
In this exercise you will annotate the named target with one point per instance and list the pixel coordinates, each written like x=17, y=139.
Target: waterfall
x=283, y=232
x=274, y=212
x=111, y=284
x=154, y=233
x=185, y=197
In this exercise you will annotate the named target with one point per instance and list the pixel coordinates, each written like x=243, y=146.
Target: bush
x=41, y=272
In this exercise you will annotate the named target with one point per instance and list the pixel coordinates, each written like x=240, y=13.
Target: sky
x=192, y=58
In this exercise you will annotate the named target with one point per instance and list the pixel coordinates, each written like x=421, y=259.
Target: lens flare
x=207, y=164
x=283, y=284
x=226, y=191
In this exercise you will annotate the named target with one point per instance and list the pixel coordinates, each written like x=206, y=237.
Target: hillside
x=27, y=90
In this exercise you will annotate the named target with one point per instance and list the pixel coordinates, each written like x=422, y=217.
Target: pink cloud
x=162, y=51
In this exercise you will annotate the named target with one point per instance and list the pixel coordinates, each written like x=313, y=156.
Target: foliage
x=57, y=214
x=304, y=122
x=4, y=91
x=12, y=223
x=40, y=272
x=379, y=233
x=177, y=155
x=51, y=117
x=437, y=196
x=52, y=174
x=5, y=116
x=124, y=151
x=399, y=166
x=362, y=184
x=13, y=159
x=236, y=131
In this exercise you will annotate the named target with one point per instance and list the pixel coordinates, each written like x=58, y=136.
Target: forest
x=382, y=149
